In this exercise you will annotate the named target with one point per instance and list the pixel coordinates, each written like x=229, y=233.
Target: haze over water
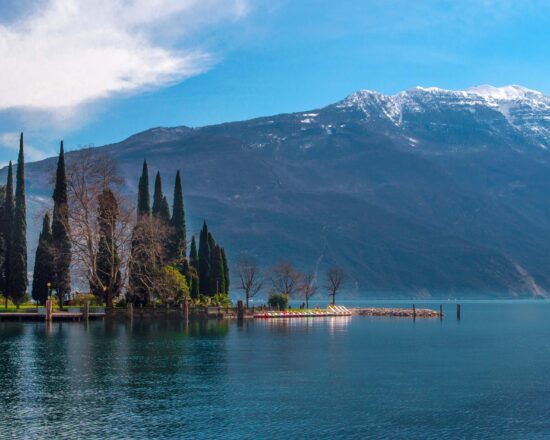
x=485, y=376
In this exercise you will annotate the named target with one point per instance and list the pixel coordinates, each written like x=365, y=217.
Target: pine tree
x=108, y=280
x=144, y=204
x=158, y=196
x=18, y=253
x=194, y=264
x=204, y=261
x=6, y=226
x=43, y=265
x=179, y=248
x=61, y=232
x=225, y=271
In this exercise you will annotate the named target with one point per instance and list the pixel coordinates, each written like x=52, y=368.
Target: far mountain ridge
x=428, y=191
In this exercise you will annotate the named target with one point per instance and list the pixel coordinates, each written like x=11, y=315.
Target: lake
x=486, y=376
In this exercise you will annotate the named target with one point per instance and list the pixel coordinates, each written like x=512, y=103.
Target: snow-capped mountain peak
x=505, y=93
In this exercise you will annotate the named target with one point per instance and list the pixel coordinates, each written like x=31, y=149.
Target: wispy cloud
x=72, y=52
x=10, y=141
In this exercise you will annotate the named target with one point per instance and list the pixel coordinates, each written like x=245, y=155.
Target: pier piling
x=458, y=312
x=240, y=310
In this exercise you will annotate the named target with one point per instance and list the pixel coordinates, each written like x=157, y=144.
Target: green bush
x=81, y=299
x=278, y=300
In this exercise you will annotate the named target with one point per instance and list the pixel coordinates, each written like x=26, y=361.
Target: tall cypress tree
x=204, y=261
x=108, y=280
x=144, y=203
x=18, y=253
x=7, y=223
x=165, y=211
x=217, y=276
x=213, y=284
x=61, y=232
x=179, y=250
x=225, y=271
x=43, y=265
x=139, y=263
x=194, y=263
x=158, y=196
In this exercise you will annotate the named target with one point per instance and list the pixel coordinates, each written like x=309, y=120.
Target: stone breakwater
x=397, y=312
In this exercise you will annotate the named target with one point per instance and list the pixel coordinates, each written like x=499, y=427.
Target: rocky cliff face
x=428, y=191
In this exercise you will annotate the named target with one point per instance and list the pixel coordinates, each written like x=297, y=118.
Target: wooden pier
x=55, y=316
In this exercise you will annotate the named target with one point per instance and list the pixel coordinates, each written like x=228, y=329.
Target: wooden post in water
x=49, y=310
x=441, y=311
x=186, y=310
x=414, y=310
x=240, y=310
x=130, y=311
x=86, y=312
x=458, y=312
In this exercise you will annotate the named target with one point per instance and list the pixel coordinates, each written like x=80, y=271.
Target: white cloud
x=73, y=52
x=10, y=141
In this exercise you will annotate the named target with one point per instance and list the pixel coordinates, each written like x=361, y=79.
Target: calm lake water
x=486, y=376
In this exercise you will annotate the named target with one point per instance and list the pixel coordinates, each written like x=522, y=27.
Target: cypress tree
x=158, y=196
x=2, y=237
x=225, y=271
x=139, y=264
x=217, y=278
x=178, y=222
x=18, y=253
x=213, y=287
x=165, y=211
x=194, y=263
x=109, y=279
x=144, y=204
x=61, y=232
x=43, y=266
x=6, y=226
x=204, y=261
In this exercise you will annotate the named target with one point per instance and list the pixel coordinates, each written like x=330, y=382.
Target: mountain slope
x=428, y=191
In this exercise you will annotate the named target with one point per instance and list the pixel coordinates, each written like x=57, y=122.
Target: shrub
x=80, y=299
x=278, y=300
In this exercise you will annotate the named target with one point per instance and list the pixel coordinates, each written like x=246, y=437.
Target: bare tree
x=308, y=287
x=334, y=278
x=250, y=278
x=89, y=175
x=285, y=279
x=147, y=259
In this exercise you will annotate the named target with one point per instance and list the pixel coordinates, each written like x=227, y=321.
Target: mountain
x=429, y=191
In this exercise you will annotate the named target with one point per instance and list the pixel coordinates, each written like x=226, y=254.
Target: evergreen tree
x=194, y=264
x=204, y=261
x=217, y=277
x=158, y=196
x=43, y=265
x=138, y=293
x=61, y=232
x=109, y=279
x=18, y=253
x=165, y=211
x=144, y=204
x=6, y=227
x=213, y=286
x=179, y=248
x=225, y=271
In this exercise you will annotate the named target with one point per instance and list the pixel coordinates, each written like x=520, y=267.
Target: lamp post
x=49, y=289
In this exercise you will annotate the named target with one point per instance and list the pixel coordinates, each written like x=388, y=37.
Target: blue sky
x=97, y=72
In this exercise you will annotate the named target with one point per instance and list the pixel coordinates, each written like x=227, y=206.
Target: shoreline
x=158, y=313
